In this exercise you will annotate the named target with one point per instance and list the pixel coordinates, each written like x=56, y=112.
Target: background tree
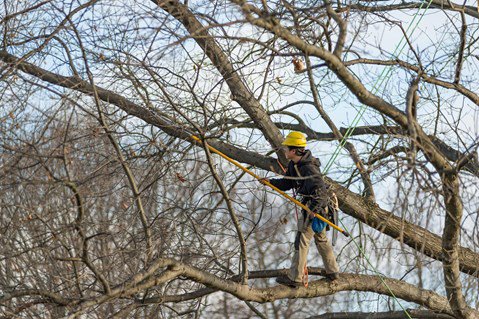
x=109, y=208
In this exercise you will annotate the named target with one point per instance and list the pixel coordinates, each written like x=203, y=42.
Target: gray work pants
x=301, y=246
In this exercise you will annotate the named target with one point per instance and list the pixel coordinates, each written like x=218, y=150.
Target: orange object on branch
x=298, y=65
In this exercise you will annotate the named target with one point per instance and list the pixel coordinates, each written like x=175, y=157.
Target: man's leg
x=326, y=251
x=301, y=246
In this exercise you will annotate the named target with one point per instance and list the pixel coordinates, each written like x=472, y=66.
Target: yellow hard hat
x=296, y=139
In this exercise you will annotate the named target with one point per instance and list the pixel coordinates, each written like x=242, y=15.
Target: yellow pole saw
x=294, y=200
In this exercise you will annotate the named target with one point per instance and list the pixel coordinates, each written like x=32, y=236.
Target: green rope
x=386, y=72
x=380, y=275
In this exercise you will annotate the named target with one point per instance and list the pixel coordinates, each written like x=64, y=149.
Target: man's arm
x=316, y=189
x=283, y=184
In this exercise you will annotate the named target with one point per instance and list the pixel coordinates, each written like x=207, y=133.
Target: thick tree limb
x=462, y=45
x=437, y=4
x=414, y=313
x=323, y=287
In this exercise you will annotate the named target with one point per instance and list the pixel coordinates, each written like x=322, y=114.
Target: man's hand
x=311, y=214
x=322, y=212
x=264, y=181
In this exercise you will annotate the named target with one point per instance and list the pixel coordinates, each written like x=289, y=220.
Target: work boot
x=284, y=280
x=332, y=276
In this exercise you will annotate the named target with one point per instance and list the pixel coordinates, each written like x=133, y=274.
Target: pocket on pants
x=305, y=224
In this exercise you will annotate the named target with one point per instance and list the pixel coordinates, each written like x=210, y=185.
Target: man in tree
x=304, y=176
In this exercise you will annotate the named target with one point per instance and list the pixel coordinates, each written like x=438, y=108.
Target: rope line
x=385, y=74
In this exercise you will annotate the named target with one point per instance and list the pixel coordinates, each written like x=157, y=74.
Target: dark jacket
x=310, y=184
